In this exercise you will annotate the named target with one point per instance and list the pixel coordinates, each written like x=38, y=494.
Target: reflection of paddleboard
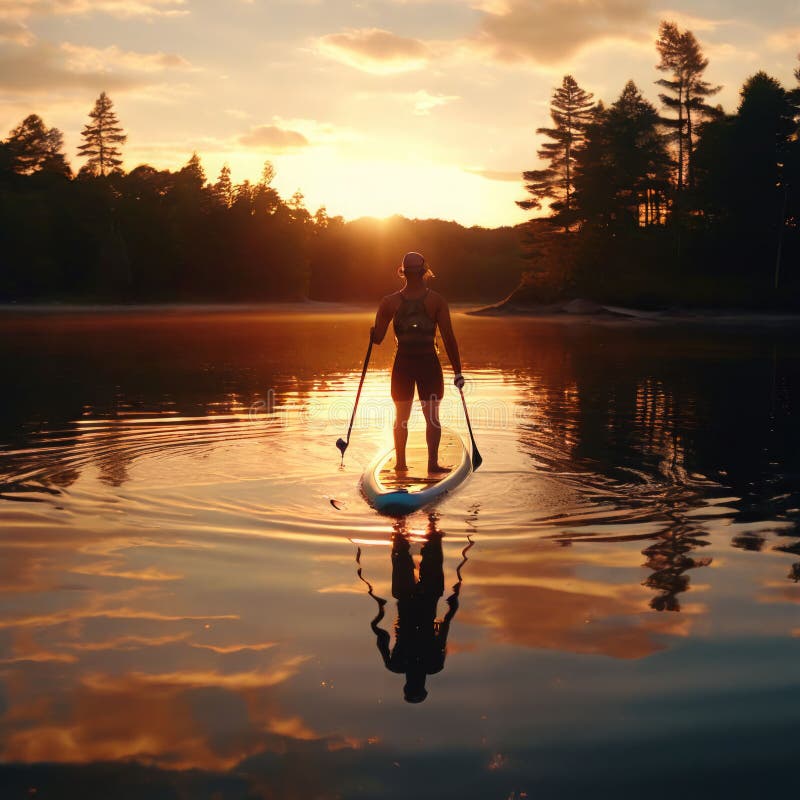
x=392, y=492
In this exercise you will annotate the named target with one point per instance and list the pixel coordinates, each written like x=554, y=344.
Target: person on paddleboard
x=416, y=311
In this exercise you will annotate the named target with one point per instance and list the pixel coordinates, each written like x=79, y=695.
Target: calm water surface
x=195, y=597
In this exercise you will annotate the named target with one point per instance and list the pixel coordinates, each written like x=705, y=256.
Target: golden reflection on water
x=177, y=587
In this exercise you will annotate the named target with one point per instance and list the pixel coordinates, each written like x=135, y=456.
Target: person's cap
x=413, y=261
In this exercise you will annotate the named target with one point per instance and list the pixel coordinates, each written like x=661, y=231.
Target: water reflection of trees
x=121, y=368
x=658, y=420
x=670, y=557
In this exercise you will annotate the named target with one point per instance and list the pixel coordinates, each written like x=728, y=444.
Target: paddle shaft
x=360, y=385
x=476, y=456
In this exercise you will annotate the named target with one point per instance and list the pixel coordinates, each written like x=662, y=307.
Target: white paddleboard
x=396, y=493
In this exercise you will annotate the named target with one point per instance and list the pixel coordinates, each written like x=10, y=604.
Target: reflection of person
x=416, y=311
x=420, y=639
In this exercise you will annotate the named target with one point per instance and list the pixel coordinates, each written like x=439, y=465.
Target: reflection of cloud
x=94, y=612
x=547, y=606
x=254, y=679
x=25, y=648
x=779, y=592
x=273, y=138
x=108, y=569
x=176, y=720
x=227, y=649
x=123, y=643
x=341, y=588
x=375, y=50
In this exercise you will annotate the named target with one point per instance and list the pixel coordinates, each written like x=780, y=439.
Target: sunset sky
x=425, y=108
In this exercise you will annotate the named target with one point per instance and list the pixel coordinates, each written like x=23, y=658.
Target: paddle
x=342, y=443
x=476, y=456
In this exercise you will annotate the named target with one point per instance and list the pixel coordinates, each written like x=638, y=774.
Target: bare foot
x=437, y=468
x=401, y=467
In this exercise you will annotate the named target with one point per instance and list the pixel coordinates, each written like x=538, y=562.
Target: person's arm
x=382, y=320
x=449, y=338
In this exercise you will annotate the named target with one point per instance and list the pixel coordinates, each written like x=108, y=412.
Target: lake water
x=195, y=597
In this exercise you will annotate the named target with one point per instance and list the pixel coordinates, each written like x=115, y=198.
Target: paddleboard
x=391, y=492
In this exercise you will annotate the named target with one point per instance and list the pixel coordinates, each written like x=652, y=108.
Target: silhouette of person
x=420, y=639
x=416, y=312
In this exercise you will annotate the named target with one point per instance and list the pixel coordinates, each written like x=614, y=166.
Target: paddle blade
x=342, y=445
x=477, y=460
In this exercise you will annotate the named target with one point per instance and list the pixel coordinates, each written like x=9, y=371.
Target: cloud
x=15, y=31
x=272, y=137
x=41, y=66
x=425, y=102
x=496, y=174
x=22, y=9
x=787, y=39
x=375, y=50
x=551, y=31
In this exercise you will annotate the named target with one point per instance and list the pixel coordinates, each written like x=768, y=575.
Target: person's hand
x=459, y=381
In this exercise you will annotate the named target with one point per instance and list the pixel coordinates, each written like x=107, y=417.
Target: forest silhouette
x=683, y=205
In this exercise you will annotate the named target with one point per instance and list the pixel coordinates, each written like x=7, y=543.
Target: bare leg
x=402, y=413
x=433, y=434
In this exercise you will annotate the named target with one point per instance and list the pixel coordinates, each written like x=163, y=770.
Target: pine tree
x=638, y=152
x=192, y=176
x=668, y=45
x=623, y=167
x=35, y=148
x=571, y=110
x=102, y=138
x=265, y=198
x=223, y=188
x=794, y=96
x=682, y=57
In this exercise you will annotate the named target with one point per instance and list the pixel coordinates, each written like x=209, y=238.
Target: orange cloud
x=272, y=137
x=40, y=66
x=117, y=8
x=375, y=50
x=496, y=174
x=15, y=31
x=551, y=31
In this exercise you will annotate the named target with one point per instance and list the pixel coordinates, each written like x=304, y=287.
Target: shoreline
x=575, y=311
x=588, y=311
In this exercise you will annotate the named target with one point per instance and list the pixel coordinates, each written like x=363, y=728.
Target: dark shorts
x=422, y=370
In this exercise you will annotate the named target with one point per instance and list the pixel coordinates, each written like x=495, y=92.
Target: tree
x=192, y=176
x=571, y=110
x=35, y=148
x=266, y=199
x=623, y=169
x=102, y=138
x=223, y=188
x=682, y=57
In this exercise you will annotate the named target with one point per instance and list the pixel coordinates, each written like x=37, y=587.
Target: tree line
x=151, y=235
x=683, y=204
